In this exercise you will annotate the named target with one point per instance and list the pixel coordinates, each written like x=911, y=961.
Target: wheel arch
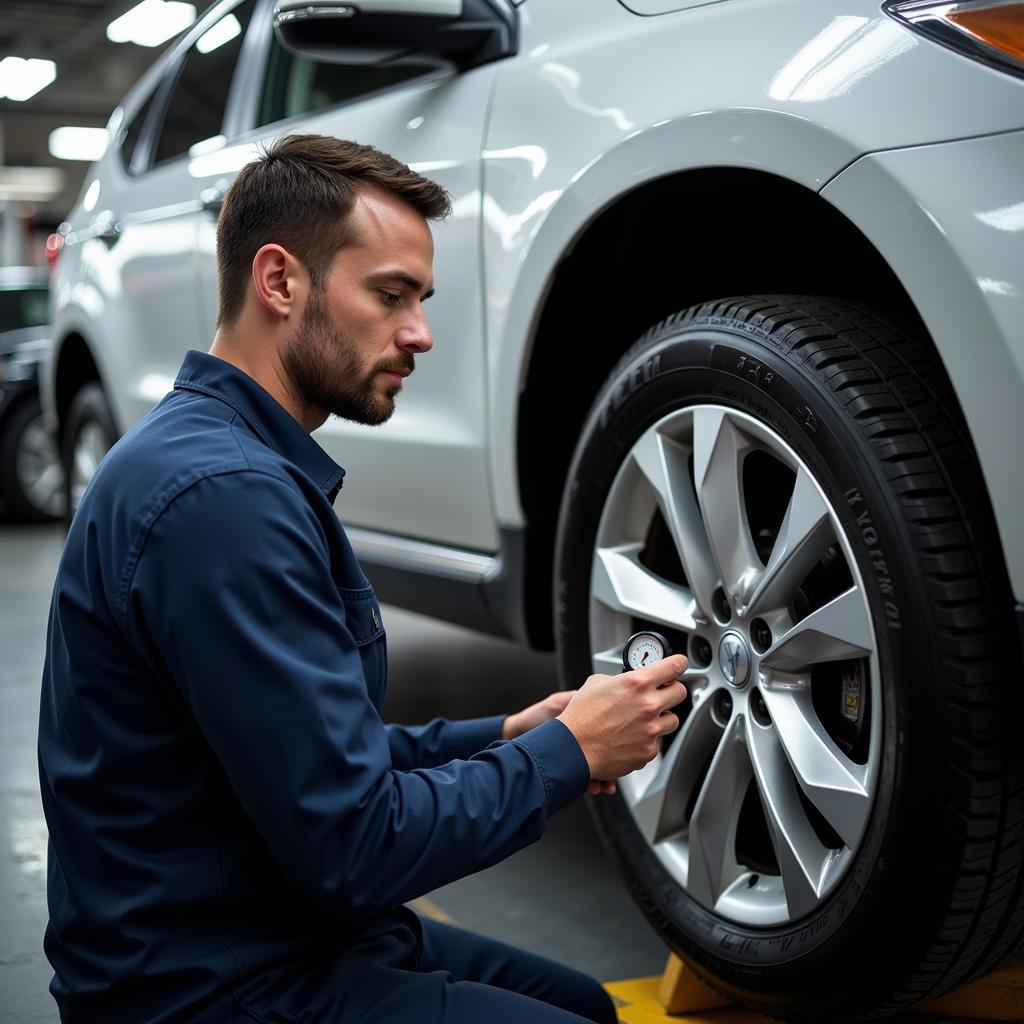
x=75, y=366
x=666, y=245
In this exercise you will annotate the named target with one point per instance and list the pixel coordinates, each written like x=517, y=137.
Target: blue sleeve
x=439, y=741
x=232, y=596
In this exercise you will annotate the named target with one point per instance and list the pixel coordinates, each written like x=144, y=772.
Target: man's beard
x=323, y=365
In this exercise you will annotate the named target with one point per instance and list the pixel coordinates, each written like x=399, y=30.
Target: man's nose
x=415, y=336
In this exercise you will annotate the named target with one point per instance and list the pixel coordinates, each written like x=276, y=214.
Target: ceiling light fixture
x=31, y=184
x=151, y=22
x=78, y=143
x=21, y=78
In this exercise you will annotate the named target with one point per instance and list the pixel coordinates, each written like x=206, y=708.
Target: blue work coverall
x=233, y=829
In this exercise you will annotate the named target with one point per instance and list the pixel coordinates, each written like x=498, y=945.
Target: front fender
x=525, y=247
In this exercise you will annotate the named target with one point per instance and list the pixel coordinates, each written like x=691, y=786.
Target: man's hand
x=536, y=714
x=618, y=720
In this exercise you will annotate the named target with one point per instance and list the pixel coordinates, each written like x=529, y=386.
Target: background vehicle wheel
x=88, y=435
x=783, y=487
x=31, y=476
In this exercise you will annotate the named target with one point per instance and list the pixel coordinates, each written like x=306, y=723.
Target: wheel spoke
x=607, y=663
x=830, y=780
x=712, y=833
x=96, y=442
x=85, y=465
x=836, y=631
x=805, y=534
x=666, y=466
x=37, y=440
x=718, y=451
x=802, y=857
x=660, y=810
x=44, y=487
x=623, y=584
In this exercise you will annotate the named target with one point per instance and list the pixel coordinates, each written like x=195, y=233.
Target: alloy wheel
x=715, y=531
x=39, y=472
x=90, y=446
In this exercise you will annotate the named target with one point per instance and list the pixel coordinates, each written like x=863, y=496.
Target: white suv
x=806, y=473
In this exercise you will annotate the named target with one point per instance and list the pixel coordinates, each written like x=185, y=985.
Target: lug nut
x=720, y=606
x=760, y=635
x=724, y=704
x=700, y=652
x=759, y=709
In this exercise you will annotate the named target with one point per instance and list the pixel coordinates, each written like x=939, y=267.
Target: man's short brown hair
x=299, y=194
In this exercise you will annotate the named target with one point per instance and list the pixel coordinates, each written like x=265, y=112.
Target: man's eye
x=390, y=298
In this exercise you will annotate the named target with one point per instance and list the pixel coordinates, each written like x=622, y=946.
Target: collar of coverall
x=270, y=421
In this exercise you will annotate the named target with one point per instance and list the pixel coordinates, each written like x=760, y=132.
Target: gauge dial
x=643, y=649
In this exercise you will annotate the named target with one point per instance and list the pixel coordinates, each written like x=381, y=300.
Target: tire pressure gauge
x=643, y=649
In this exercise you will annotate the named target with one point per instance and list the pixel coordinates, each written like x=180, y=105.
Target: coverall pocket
x=363, y=618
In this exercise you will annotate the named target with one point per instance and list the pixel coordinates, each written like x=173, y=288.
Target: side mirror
x=379, y=32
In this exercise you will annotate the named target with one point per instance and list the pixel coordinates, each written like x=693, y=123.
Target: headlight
x=991, y=31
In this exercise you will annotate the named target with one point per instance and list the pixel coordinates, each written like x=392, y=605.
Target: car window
x=132, y=134
x=297, y=85
x=23, y=307
x=195, y=111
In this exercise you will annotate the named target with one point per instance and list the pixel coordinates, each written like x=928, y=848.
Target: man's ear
x=280, y=280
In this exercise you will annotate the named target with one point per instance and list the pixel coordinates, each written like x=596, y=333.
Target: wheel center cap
x=734, y=658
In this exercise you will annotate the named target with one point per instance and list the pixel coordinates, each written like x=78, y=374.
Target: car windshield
x=23, y=307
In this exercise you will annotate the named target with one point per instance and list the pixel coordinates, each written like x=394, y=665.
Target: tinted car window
x=196, y=108
x=28, y=307
x=132, y=134
x=297, y=85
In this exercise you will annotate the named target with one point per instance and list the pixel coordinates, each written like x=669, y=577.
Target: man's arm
x=441, y=740
x=426, y=746
x=233, y=603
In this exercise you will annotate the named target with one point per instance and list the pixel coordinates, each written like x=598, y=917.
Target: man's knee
x=589, y=999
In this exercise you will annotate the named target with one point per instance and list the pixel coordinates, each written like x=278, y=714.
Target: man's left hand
x=536, y=714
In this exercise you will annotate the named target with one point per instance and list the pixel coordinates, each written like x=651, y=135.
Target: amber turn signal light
x=1001, y=27
x=991, y=31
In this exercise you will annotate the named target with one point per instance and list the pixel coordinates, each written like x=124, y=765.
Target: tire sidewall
x=726, y=362
x=88, y=406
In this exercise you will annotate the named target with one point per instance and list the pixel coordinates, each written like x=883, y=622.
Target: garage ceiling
x=93, y=74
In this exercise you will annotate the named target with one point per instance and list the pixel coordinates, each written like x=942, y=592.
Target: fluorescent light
x=223, y=32
x=151, y=23
x=21, y=78
x=78, y=143
x=31, y=183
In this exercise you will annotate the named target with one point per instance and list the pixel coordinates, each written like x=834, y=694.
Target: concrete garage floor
x=560, y=897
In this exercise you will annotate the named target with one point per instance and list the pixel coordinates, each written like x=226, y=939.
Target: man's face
x=358, y=337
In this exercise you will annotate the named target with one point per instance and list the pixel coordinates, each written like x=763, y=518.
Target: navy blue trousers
x=464, y=978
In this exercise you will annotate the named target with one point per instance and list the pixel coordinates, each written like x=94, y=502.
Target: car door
x=157, y=316
x=424, y=474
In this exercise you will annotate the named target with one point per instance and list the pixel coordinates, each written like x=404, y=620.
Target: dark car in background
x=31, y=477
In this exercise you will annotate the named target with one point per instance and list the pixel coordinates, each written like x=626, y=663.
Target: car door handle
x=108, y=230
x=212, y=199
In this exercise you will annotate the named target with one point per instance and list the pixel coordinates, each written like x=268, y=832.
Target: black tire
x=19, y=503
x=933, y=898
x=88, y=413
